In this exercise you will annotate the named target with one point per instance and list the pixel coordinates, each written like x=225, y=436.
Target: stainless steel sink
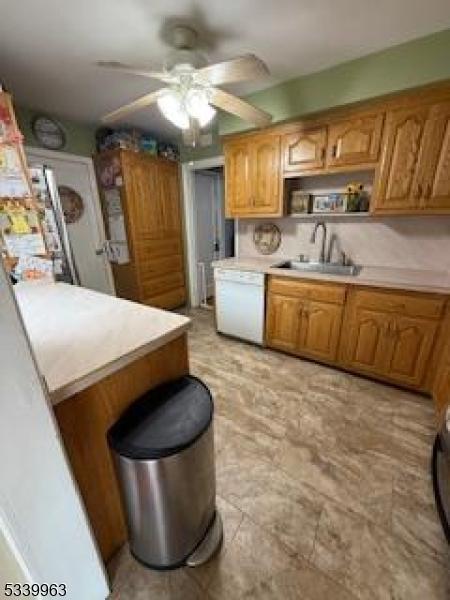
x=317, y=267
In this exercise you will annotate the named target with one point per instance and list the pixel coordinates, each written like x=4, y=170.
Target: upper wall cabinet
x=398, y=187
x=304, y=150
x=414, y=173
x=436, y=178
x=253, y=177
x=354, y=141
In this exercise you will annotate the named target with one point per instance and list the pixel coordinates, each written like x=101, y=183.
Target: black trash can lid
x=164, y=421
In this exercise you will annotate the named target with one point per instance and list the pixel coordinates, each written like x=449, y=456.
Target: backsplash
x=405, y=242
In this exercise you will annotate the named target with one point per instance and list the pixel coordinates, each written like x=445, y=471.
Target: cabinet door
x=266, y=175
x=355, y=141
x=436, y=171
x=412, y=341
x=283, y=322
x=237, y=179
x=366, y=341
x=397, y=186
x=321, y=326
x=304, y=150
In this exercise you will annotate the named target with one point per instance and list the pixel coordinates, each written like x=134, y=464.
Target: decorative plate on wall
x=72, y=204
x=267, y=238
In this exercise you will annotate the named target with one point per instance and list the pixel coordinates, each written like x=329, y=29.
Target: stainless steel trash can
x=163, y=451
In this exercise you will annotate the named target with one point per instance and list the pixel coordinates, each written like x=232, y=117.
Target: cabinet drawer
x=414, y=305
x=148, y=249
x=322, y=292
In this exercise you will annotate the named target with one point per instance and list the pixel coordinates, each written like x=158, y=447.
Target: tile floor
x=323, y=485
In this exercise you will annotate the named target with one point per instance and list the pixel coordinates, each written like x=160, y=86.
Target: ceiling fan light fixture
x=198, y=106
x=173, y=109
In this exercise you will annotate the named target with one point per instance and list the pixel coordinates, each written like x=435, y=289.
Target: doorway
x=87, y=233
x=210, y=235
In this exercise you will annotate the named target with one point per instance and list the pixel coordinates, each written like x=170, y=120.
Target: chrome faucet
x=324, y=239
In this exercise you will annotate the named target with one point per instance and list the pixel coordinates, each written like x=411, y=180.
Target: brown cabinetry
x=413, y=175
x=354, y=141
x=150, y=203
x=304, y=150
x=386, y=334
x=390, y=335
x=441, y=384
x=253, y=177
x=304, y=318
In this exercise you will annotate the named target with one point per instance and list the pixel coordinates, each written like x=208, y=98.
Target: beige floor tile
x=252, y=557
x=273, y=500
x=301, y=583
x=373, y=563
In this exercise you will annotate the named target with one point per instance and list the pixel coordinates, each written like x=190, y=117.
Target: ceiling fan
x=190, y=97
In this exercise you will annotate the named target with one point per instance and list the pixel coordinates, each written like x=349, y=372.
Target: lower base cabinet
x=300, y=321
x=387, y=334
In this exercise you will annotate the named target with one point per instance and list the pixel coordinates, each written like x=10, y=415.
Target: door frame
x=97, y=210
x=188, y=170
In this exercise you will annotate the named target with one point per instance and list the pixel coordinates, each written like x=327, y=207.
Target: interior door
x=207, y=232
x=321, y=326
x=87, y=235
x=412, y=340
x=304, y=150
x=397, y=184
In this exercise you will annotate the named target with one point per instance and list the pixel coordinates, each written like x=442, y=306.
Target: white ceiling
x=48, y=48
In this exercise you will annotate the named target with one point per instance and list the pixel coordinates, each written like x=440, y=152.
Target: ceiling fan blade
x=141, y=102
x=241, y=68
x=133, y=70
x=240, y=108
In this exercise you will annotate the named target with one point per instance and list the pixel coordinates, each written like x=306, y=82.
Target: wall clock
x=48, y=132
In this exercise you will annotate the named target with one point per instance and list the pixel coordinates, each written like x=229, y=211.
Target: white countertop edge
x=74, y=387
x=386, y=277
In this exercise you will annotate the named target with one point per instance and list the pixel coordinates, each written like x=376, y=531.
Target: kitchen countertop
x=405, y=279
x=80, y=337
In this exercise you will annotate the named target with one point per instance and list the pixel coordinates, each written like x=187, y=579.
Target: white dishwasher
x=240, y=304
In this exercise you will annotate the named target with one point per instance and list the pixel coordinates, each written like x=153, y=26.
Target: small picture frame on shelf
x=329, y=203
x=300, y=202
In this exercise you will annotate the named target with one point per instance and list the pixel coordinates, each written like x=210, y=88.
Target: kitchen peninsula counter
x=98, y=354
x=79, y=336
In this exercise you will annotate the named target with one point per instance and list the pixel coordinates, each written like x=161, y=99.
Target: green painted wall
x=80, y=138
x=408, y=65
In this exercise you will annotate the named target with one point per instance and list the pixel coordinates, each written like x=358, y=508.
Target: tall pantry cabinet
x=141, y=195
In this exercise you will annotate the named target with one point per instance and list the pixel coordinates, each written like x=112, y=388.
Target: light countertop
x=406, y=279
x=80, y=337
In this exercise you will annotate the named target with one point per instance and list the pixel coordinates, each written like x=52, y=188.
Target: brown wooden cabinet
x=304, y=318
x=253, y=177
x=386, y=334
x=150, y=202
x=441, y=383
x=435, y=176
x=398, y=187
x=304, y=150
x=414, y=173
x=283, y=322
x=354, y=141
x=390, y=334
